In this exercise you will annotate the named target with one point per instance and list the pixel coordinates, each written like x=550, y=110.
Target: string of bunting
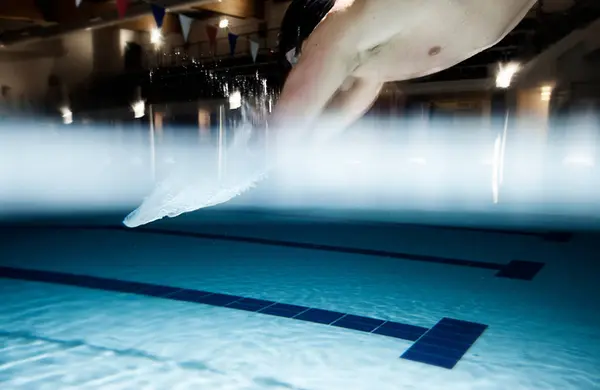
x=211, y=32
x=186, y=22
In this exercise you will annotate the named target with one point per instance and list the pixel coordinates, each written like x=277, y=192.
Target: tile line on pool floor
x=558, y=236
x=514, y=269
x=442, y=345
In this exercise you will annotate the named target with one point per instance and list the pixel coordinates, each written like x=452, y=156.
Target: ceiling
x=25, y=21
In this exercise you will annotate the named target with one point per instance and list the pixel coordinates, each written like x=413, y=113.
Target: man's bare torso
x=362, y=44
x=403, y=39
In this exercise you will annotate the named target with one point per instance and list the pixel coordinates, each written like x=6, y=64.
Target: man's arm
x=328, y=58
x=347, y=107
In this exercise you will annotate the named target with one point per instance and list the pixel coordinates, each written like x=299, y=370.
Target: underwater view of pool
x=233, y=299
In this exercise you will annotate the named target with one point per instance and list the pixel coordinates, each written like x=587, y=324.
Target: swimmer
x=342, y=52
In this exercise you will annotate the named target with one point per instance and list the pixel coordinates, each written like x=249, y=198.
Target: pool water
x=535, y=329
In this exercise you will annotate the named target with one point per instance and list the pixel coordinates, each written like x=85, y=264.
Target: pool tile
x=400, y=331
x=217, y=299
x=446, y=343
x=434, y=360
x=363, y=324
x=37, y=276
x=158, y=291
x=559, y=237
x=101, y=283
x=449, y=340
x=283, y=310
x=319, y=316
x=187, y=295
x=461, y=326
x=437, y=350
x=84, y=281
x=442, y=346
x=520, y=269
x=250, y=304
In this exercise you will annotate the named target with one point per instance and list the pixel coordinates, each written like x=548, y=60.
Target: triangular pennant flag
x=253, y=50
x=291, y=56
x=211, y=32
x=232, y=42
x=159, y=14
x=78, y=3
x=186, y=25
x=122, y=7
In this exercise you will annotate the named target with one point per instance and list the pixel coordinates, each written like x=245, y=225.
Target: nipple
x=434, y=51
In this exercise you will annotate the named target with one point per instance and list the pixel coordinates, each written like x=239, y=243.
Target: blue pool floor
x=541, y=332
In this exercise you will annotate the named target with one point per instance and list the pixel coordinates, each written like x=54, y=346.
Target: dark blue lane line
x=553, y=236
x=443, y=345
x=515, y=269
x=520, y=269
x=446, y=343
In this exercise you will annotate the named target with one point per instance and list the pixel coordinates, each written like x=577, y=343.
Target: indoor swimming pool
x=228, y=299
x=206, y=195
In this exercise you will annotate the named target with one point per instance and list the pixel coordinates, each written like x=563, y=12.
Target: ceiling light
x=505, y=74
x=67, y=115
x=155, y=36
x=546, y=93
x=139, y=109
x=224, y=23
x=235, y=100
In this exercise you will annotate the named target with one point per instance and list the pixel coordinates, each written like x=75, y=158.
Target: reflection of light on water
x=417, y=161
x=443, y=168
x=67, y=115
x=503, y=148
x=235, y=100
x=496, y=169
x=581, y=160
x=139, y=109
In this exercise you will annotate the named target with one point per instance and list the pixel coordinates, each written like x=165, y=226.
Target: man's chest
x=434, y=39
x=402, y=59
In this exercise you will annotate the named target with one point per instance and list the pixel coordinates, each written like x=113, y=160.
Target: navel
x=434, y=51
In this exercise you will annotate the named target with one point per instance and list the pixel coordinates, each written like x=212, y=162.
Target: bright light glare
x=139, y=109
x=546, y=93
x=417, y=161
x=73, y=168
x=505, y=74
x=496, y=170
x=235, y=100
x=581, y=160
x=67, y=115
x=156, y=36
x=224, y=23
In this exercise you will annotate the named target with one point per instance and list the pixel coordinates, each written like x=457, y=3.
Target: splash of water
x=182, y=193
